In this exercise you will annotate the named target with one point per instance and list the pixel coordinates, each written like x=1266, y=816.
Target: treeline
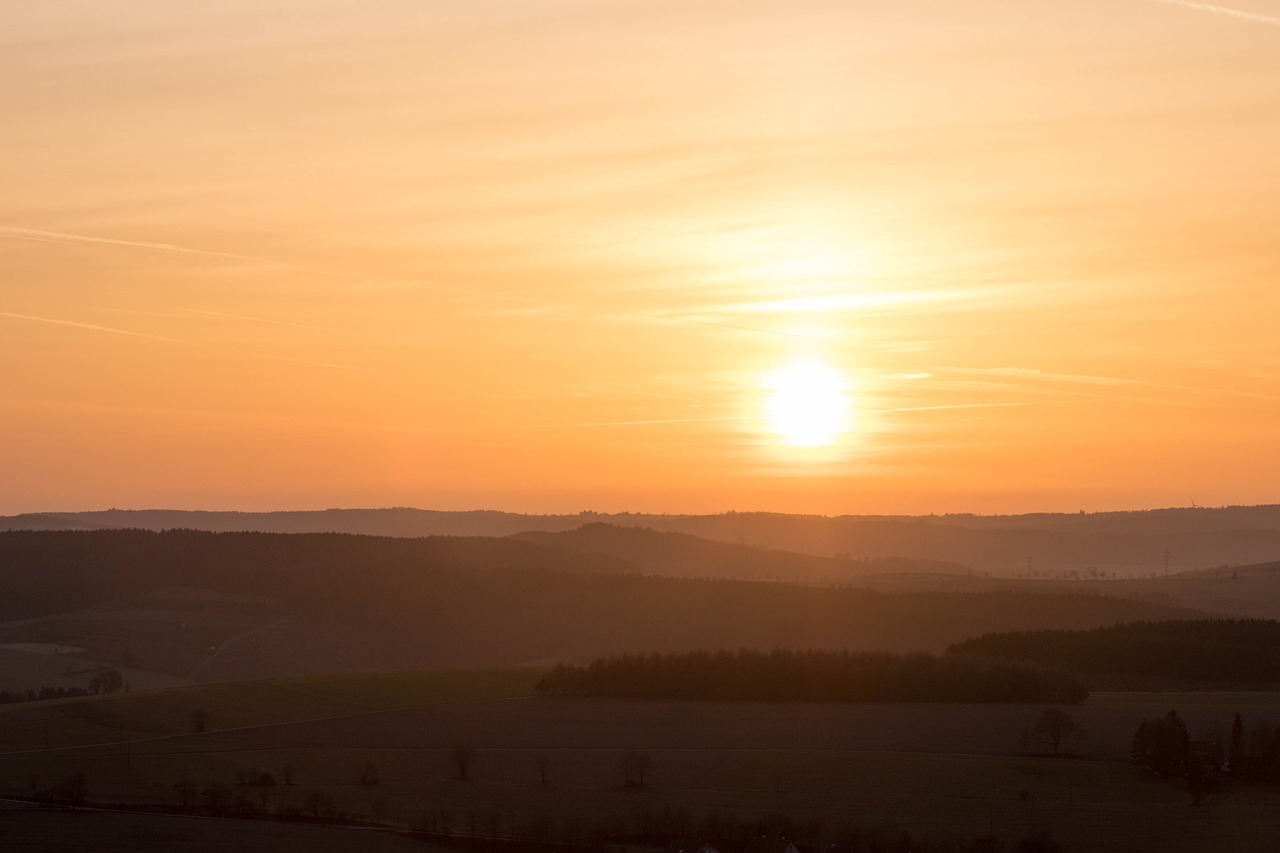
x=8, y=697
x=1213, y=650
x=813, y=676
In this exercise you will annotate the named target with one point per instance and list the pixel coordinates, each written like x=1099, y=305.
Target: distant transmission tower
x=1166, y=562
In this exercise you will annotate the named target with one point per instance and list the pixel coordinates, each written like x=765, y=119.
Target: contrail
x=249, y=319
x=75, y=324
x=92, y=326
x=168, y=248
x=1256, y=17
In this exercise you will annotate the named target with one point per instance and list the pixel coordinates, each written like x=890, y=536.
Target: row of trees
x=823, y=676
x=10, y=697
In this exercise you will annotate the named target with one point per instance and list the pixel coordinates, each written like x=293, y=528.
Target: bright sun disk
x=807, y=404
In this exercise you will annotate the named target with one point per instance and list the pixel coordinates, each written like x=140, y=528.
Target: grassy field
x=943, y=771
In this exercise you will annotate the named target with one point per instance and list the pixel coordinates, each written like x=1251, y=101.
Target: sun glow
x=807, y=404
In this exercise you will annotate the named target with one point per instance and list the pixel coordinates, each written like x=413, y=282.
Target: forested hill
x=1043, y=543
x=684, y=555
x=1207, y=650
x=216, y=606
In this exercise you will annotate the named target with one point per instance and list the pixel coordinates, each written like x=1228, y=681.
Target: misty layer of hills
x=218, y=606
x=1044, y=544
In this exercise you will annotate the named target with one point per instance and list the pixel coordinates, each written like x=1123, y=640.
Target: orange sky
x=545, y=255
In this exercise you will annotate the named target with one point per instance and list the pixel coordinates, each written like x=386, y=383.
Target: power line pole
x=1166, y=562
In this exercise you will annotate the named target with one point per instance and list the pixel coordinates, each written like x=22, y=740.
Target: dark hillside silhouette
x=310, y=603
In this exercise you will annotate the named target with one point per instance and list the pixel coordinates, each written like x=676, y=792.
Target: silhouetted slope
x=44, y=572
x=226, y=605
x=683, y=555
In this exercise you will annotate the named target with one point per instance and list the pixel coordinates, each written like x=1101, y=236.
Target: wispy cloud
x=651, y=422
x=1243, y=14
x=668, y=318
x=951, y=406
x=328, y=364
x=1047, y=376
x=168, y=248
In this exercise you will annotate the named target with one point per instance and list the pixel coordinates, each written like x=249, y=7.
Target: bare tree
x=1057, y=728
x=463, y=758
x=635, y=766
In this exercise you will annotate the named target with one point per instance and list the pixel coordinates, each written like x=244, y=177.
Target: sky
x=652, y=255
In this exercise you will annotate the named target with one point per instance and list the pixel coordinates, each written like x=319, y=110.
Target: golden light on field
x=807, y=404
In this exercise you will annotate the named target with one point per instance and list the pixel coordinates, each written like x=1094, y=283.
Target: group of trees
x=1164, y=745
x=1214, y=650
x=1254, y=757
x=107, y=682
x=822, y=676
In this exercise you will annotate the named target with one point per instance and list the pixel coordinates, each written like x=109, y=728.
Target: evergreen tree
x=1235, y=754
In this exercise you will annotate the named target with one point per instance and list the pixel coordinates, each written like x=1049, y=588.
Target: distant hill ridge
x=1130, y=542
x=685, y=555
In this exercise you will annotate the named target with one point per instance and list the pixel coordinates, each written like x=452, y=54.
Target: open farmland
x=936, y=770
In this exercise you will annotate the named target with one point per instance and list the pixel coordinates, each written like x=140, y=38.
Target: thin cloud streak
x=951, y=406
x=1243, y=14
x=168, y=248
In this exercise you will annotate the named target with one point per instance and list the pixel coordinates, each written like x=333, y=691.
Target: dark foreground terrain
x=936, y=771
x=41, y=831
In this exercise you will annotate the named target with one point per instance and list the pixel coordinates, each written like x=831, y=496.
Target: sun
x=807, y=404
